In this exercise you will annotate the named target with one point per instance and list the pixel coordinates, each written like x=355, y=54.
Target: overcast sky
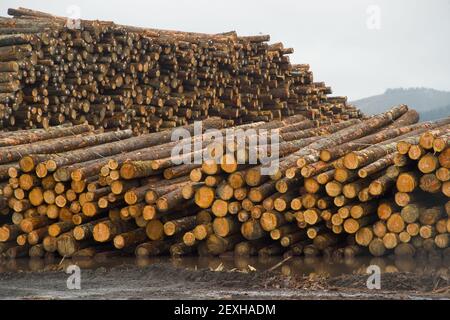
x=359, y=47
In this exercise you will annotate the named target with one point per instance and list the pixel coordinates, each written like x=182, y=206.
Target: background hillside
x=431, y=104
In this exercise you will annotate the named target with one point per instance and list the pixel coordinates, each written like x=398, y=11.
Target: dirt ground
x=196, y=278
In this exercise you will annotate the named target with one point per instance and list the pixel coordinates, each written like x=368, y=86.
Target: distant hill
x=436, y=113
x=431, y=104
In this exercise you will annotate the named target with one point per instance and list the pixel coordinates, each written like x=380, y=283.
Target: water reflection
x=294, y=266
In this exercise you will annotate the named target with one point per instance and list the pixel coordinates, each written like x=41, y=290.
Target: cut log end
x=204, y=197
x=351, y=161
x=155, y=230
x=102, y=232
x=26, y=164
x=189, y=239
x=77, y=175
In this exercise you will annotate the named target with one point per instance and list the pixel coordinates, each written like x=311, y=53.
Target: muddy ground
x=197, y=278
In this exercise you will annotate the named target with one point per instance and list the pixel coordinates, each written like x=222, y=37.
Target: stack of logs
x=55, y=70
x=393, y=196
x=336, y=195
x=379, y=186
x=68, y=174
x=37, y=167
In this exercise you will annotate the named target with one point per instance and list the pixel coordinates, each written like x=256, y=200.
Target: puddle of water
x=293, y=266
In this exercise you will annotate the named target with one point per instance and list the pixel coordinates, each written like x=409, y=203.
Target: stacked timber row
x=385, y=194
x=339, y=189
x=423, y=190
x=37, y=166
x=58, y=187
x=13, y=145
x=334, y=196
x=54, y=70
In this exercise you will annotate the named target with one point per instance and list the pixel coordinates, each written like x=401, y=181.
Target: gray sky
x=358, y=47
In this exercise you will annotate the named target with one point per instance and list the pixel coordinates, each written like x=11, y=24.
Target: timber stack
x=41, y=171
x=70, y=176
x=55, y=70
x=375, y=186
x=335, y=196
x=89, y=164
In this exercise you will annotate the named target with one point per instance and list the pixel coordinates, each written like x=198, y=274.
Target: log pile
x=37, y=166
x=55, y=70
x=388, y=195
x=340, y=184
x=335, y=196
x=378, y=186
x=60, y=187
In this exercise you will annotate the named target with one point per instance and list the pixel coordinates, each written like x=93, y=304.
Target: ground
x=210, y=278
